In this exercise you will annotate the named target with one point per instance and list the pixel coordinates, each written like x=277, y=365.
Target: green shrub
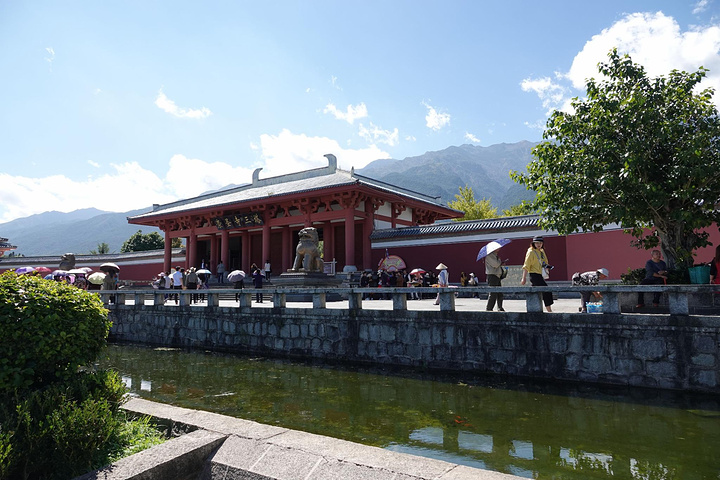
x=675, y=277
x=57, y=420
x=48, y=329
x=63, y=429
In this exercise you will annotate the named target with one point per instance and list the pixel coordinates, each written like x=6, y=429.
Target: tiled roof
x=529, y=222
x=301, y=182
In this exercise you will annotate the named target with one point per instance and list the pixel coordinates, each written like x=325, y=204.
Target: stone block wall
x=671, y=352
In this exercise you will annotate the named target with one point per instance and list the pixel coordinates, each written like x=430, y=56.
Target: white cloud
x=93, y=164
x=374, y=134
x=333, y=82
x=472, y=138
x=352, y=114
x=552, y=94
x=700, y=6
x=167, y=105
x=126, y=187
x=410, y=138
x=51, y=52
x=288, y=152
x=129, y=186
x=654, y=40
x=435, y=120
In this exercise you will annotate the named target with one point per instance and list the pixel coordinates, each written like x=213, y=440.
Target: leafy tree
x=102, y=249
x=474, y=209
x=140, y=242
x=642, y=152
x=176, y=243
x=515, y=210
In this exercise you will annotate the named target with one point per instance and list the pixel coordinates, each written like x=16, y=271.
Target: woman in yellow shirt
x=535, y=260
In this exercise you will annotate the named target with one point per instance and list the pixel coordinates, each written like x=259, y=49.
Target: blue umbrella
x=491, y=247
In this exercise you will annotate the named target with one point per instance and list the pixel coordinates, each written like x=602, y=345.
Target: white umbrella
x=236, y=276
x=109, y=266
x=491, y=247
x=96, y=278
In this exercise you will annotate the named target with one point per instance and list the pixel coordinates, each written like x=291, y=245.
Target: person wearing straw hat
x=443, y=279
x=589, y=278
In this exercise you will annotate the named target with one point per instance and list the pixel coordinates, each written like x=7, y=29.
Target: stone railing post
x=399, y=301
x=139, y=299
x=355, y=301
x=120, y=298
x=184, y=298
x=279, y=300
x=534, y=302
x=319, y=300
x=159, y=297
x=611, y=302
x=678, y=303
x=245, y=299
x=447, y=301
x=213, y=299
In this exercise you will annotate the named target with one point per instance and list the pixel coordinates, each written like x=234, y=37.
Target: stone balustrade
x=680, y=298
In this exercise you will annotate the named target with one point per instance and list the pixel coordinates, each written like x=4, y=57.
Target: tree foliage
x=474, y=210
x=102, y=249
x=642, y=152
x=140, y=242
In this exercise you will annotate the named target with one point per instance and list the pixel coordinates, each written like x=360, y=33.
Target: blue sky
x=119, y=105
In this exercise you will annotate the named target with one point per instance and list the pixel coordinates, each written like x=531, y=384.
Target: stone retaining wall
x=660, y=351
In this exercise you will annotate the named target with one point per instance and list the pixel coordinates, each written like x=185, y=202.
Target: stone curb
x=232, y=448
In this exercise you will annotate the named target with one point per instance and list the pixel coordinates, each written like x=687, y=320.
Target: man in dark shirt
x=655, y=273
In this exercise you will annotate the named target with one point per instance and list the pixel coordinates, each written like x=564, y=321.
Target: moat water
x=534, y=430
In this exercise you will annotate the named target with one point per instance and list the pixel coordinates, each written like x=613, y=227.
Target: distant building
x=5, y=246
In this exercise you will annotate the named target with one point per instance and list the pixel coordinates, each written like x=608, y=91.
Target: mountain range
x=440, y=174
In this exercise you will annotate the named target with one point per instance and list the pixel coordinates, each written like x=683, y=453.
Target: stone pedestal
x=307, y=280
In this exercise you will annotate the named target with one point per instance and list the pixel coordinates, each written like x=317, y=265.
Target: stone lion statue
x=307, y=257
x=67, y=261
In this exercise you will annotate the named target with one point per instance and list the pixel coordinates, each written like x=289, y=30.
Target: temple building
x=5, y=246
x=258, y=223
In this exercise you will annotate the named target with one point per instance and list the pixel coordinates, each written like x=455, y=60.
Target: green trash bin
x=700, y=275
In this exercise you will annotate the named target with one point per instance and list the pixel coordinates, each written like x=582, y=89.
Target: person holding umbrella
x=536, y=265
x=494, y=271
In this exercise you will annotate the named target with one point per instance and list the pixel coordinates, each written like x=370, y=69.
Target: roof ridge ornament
x=256, y=175
x=332, y=162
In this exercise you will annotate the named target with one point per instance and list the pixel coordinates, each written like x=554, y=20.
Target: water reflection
x=531, y=430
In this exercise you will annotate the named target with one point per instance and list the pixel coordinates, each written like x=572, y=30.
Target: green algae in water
x=534, y=430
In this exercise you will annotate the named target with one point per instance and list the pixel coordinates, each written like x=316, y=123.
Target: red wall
x=574, y=253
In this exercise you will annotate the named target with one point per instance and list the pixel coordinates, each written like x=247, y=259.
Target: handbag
x=545, y=271
x=503, y=273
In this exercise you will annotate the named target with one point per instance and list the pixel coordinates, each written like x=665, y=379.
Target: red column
x=265, y=242
x=192, y=249
x=329, y=241
x=225, y=247
x=287, y=250
x=368, y=226
x=212, y=261
x=167, y=257
x=349, y=238
x=245, y=258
